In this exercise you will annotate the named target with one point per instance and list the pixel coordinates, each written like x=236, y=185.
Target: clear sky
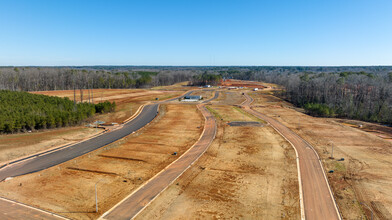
x=197, y=32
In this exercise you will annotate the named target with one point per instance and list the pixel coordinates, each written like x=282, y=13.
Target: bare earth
x=364, y=175
x=68, y=189
x=18, y=145
x=240, y=176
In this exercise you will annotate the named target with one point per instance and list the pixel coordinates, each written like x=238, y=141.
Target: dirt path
x=318, y=201
x=137, y=201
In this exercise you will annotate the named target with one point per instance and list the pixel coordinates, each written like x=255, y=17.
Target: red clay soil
x=240, y=83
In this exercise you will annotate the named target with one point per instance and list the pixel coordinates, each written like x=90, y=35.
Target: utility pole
x=96, y=196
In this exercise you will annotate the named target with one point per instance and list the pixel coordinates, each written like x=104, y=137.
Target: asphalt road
x=216, y=95
x=137, y=201
x=57, y=157
x=10, y=210
x=51, y=158
x=318, y=201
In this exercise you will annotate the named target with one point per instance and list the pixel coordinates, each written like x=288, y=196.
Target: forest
x=67, y=78
x=356, y=92
x=205, y=79
x=21, y=111
x=362, y=93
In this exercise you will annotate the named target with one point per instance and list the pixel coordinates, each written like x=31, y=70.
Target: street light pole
x=96, y=196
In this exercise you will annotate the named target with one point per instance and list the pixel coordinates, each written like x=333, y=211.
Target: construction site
x=247, y=166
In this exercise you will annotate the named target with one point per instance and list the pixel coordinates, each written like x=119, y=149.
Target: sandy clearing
x=364, y=174
x=240, y=176
x=71, y=185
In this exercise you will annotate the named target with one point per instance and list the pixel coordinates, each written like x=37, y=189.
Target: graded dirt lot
x=239, y=177
x=241, y=83
x=18, y=145
x=363, y=176
x=229, y=98
x=68, y=189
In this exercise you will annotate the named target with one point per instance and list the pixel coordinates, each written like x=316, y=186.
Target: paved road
x=10, y=210
x=136, y=202
x=54, y=158
x=51, y=158
x=317, y=198
x=216, y=95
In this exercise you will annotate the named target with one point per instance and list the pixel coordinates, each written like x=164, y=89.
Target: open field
x=229, y=98
x=18, y=145
x=242, y=83
x=240, y=176
x=364, y=175
x=120, y=167
x=228, y=113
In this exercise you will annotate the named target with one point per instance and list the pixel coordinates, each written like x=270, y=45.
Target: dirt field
x=127, y=100
x=229, y=98
x=363, y=176
x=228, y=113
x=18, y=145
x=100, y=95
x=240, y=176
x=68, y=189
x=241, y=83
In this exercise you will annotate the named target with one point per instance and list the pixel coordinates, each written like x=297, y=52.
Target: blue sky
x=198, y=32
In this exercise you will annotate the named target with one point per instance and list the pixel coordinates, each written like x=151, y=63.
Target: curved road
x=44, y=161
x=51, y=158
x=318, y=201
x=143, y=196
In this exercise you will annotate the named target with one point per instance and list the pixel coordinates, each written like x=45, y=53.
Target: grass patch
x=249, y=115
x=339, y=167
x=214, y=112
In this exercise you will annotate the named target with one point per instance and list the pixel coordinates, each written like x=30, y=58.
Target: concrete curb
x=297, y=160
x=54, y=149
x=141, y=186
x=299, y=175
x=31, y=207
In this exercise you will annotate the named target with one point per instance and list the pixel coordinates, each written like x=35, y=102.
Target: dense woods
x=206, y=79
x=363, y=93
x=24, y=111
x=56, y=78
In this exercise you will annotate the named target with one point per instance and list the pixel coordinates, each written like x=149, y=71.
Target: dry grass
x=229, y=98
x=230, y=113
x=68, y=189
x=239, y=177
x=18, y=145
x=364, y=175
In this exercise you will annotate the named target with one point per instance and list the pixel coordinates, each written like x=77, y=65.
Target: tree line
x=363, y=95
x=68, y=78
x=21, y=111
x=206, y=79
